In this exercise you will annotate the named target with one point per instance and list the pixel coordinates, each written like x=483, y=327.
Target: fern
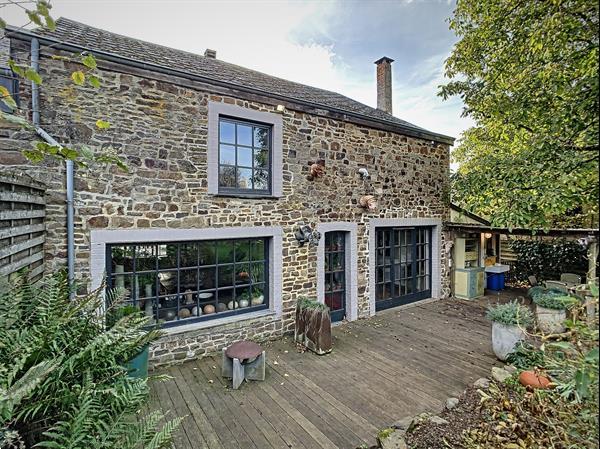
x=63, y=383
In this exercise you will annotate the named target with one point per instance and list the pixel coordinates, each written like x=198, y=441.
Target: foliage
x=511, y=314
x=306, y=303
x=63, y=383
x=554, y=301
x=83, y=156
x=525, y=356
x=547, y=259
x=527, y=73
x=563, y=417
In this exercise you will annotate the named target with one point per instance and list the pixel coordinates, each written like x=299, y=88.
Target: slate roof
x=100, y=41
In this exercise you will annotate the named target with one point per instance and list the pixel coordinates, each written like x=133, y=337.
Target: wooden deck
x=397, y=364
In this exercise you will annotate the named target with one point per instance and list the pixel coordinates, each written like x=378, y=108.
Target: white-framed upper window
x=244, y=151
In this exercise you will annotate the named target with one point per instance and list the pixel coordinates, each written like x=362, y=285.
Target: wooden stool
x=243, y=360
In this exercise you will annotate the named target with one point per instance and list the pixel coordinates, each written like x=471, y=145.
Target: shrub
x=525, y=356
x=63, y=383
x=536, y=291
x=305, y=303
x=511, y=314
x=554, y=301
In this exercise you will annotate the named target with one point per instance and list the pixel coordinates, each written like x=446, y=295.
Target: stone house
x=230, y=170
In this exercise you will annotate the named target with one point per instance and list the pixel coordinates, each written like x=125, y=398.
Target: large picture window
x=181, y=282
x=403, y=266
x=244, y=157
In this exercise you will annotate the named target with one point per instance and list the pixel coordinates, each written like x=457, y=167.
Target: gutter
x=70, y=185
x=112, y=57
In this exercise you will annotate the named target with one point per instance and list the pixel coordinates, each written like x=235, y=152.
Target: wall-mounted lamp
x=304, y=234
x=488, y=235
x=280, y=108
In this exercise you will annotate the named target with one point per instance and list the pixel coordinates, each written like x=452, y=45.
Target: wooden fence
x=22, y=228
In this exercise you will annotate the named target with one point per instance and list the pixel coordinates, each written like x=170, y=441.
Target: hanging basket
x=368, y=202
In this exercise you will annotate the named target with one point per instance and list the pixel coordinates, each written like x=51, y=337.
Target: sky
x=330, y=44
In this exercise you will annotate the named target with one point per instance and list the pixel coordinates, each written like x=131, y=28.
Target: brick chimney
x=208, y=53
x=384, y=84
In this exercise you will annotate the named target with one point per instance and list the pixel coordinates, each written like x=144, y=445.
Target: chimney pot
x=208, y=53
x=384, y=84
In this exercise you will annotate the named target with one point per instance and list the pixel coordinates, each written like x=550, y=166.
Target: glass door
x=403, y=266
x=335, y=274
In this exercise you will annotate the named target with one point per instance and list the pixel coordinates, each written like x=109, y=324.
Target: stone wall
x=160, y=128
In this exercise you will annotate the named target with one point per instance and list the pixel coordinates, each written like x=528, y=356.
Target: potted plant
x=313, y=326
x=258, y=297
x=137, y=366
x=551, y=311
x=509, y=322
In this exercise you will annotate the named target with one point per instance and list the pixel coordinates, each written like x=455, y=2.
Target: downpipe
x=70, y=172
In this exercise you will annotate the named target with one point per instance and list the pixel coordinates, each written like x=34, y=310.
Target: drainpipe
x=70, y=185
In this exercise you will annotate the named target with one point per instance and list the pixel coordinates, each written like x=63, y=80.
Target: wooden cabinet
x=469, y=283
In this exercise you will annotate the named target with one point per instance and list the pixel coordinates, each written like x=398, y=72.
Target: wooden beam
x=21, y=214
x=21, y=246
x=465, y=227
x=16, y=266
x=20, y=230
x=21, y=197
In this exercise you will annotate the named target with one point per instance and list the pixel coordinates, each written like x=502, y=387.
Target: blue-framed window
x=244, y=157
x=183, y=282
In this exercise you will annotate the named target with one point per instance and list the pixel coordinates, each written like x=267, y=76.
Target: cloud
x=327, y=44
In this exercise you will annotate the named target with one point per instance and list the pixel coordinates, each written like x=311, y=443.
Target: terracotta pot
x=534, y=380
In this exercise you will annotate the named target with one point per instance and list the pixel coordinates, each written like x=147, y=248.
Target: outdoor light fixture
x=280, y=108
x=304, y=234
x=488, y=235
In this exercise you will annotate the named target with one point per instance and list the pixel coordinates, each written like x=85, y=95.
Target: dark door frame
x=338, y=314
x=395, y=301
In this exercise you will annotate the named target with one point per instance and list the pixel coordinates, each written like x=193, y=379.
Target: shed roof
x=102, y=43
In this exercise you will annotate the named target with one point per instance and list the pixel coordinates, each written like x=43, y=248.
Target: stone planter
x=504, y=339
x=313, y=329
x=550, y=321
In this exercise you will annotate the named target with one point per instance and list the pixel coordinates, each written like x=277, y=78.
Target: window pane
x=188, y=281
x=261, y=158
x=167, y=282
x=242, y=274
x=167, y=256
x=242, y=250
x=145, y=257
x=227, y=132
x=261, y=137
x=225, y=251
x=261, y=180
x=244, y=178
x=257, y=272
x=189, y=255
x=227, y=177
x=244, y=157
x=225, y=276
x=207, y=253
x=258, y=249
x=244, y=135
x=207, y=278
x=227, y=154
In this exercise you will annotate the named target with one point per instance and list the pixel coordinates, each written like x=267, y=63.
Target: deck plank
x=396, y=364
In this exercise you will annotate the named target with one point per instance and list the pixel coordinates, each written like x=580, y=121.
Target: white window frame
x=351, y=263
x=100, y=238
x=215, y=111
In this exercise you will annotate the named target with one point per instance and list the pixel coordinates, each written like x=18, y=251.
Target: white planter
x=504, y=339
x=550, y=321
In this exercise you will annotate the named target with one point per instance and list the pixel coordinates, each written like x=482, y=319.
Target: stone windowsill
x=217, y=322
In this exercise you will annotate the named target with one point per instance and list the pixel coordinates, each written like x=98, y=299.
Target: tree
x=38, y=13
x=527, y=72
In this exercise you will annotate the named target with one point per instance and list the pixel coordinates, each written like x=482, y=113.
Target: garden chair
x=558, y=285
x=570, y=278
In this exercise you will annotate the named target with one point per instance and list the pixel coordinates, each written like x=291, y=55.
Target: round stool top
x=243, y=350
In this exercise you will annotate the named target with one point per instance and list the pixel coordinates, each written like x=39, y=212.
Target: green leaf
x=34, y=156
x=89, y=61
x=2, y=24
x=34, y=16
x=32, y=75
x=7, y=98
x=15, y=119
x=101, y=124
x=78, y=77
x=592, y=355
x=19, y=70
x=50, y=23
x=94, y=81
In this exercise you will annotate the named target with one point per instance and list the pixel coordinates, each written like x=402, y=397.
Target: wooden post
x=592, y=256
